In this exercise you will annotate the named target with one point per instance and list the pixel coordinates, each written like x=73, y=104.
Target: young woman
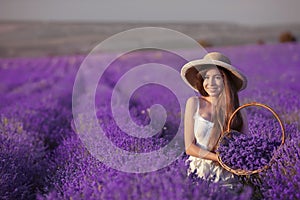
x=207, y=115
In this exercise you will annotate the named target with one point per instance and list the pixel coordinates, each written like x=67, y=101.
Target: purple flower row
x=41, y=157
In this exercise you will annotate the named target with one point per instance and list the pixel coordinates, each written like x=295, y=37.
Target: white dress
x=206, y=169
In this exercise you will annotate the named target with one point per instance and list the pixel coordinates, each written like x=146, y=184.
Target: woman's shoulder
x=197, y=99
x=196, y=102
x=193, y=99
x=191, y=105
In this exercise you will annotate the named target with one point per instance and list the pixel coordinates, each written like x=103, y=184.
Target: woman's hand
x=215, y=158
x=217, y=162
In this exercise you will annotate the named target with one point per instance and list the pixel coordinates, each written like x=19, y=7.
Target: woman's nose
x=212, y=81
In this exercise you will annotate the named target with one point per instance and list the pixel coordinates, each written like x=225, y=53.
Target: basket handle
x=261, y=105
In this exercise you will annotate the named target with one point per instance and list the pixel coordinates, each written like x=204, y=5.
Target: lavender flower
x=41, y=157
x=247, y=151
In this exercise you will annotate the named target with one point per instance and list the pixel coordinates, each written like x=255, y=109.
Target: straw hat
x=215, y=59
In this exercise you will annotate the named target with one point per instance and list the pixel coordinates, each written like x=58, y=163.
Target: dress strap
x=198, y=105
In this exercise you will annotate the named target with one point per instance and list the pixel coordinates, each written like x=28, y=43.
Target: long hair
x=227, y=103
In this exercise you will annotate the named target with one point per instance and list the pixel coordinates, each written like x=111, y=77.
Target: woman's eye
x=218, y=77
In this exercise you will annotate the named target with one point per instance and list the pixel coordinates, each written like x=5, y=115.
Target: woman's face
x=213, y=82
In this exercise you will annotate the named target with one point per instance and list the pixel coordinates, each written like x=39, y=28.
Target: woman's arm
x=189, y=139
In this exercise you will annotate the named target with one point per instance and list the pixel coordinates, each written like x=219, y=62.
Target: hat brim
x=202, y=64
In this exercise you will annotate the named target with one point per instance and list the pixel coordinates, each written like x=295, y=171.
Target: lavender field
x=42, y=157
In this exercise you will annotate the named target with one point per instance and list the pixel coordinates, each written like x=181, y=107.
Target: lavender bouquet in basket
x=247, y=151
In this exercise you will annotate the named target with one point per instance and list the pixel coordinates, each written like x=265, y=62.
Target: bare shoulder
x=192, y=102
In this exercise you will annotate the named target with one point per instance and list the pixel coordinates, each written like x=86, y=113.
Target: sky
x=254, y=12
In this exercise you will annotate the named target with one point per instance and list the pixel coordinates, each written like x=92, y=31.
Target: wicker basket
x=241, y=171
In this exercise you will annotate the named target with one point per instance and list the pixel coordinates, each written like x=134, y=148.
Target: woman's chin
x=213, y=94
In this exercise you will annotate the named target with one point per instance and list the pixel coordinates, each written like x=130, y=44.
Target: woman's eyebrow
x=213, y=75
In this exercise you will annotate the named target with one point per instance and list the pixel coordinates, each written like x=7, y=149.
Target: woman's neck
x=212, y=100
